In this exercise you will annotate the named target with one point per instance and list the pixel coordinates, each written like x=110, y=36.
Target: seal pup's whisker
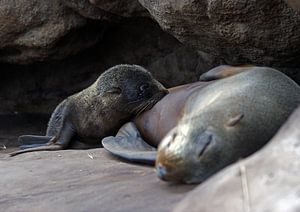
x=143, y=108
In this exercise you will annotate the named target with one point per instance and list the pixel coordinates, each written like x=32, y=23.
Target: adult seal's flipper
x=30, y=141
x=224, y=71
x=129, y=145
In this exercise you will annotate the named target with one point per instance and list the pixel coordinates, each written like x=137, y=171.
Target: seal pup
x=119, y=94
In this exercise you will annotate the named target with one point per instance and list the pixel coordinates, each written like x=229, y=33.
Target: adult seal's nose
x=161, y=172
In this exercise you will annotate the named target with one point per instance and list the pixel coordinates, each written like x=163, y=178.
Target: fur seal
x=119, y=94
x=268, y=180
x=227, y=120
x=214, y=122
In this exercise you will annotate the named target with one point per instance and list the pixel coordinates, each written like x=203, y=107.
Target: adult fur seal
x=215, y=122
x=227, y=120
x=120, y=93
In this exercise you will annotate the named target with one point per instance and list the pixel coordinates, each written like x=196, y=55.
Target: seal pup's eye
x=144, y=87
x=114, y=90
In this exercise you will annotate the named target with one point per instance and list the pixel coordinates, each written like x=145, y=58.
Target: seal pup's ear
x=129, y=145
x=235, y=120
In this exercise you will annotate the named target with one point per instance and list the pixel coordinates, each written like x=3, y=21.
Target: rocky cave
x=52, y=49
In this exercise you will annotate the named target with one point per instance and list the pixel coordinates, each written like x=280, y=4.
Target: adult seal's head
x=225, y=121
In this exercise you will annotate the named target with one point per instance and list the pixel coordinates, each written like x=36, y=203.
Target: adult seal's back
x=119, y=94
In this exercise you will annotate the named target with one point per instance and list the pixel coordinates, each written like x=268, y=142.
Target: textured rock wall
x=34, y=30
x=235, y=31
x=30, y=30
x=51, y=49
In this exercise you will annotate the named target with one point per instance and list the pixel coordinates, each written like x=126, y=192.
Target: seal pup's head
x=129, y=88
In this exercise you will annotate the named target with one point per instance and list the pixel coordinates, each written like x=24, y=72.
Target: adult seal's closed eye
x=119, y=94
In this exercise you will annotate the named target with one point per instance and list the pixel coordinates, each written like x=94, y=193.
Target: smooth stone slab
x=82, y=180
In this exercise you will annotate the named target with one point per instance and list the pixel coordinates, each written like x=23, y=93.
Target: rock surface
x=33, y=30
x=44, y=30
x=267, y=181
x=124, y=8
x=248, y=31
x=82, y=180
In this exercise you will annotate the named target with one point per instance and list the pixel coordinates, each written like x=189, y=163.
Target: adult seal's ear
x=129, y=145
x=235, y=120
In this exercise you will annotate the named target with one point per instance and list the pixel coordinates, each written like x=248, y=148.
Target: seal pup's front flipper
x=129, y=145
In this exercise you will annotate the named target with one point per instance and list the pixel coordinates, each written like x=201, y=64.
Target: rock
x=124, y=8
x=34, y=30
x=256, y=32
x=113, y=10
x=82, y=180
x=266, y=181
x=46, y=30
